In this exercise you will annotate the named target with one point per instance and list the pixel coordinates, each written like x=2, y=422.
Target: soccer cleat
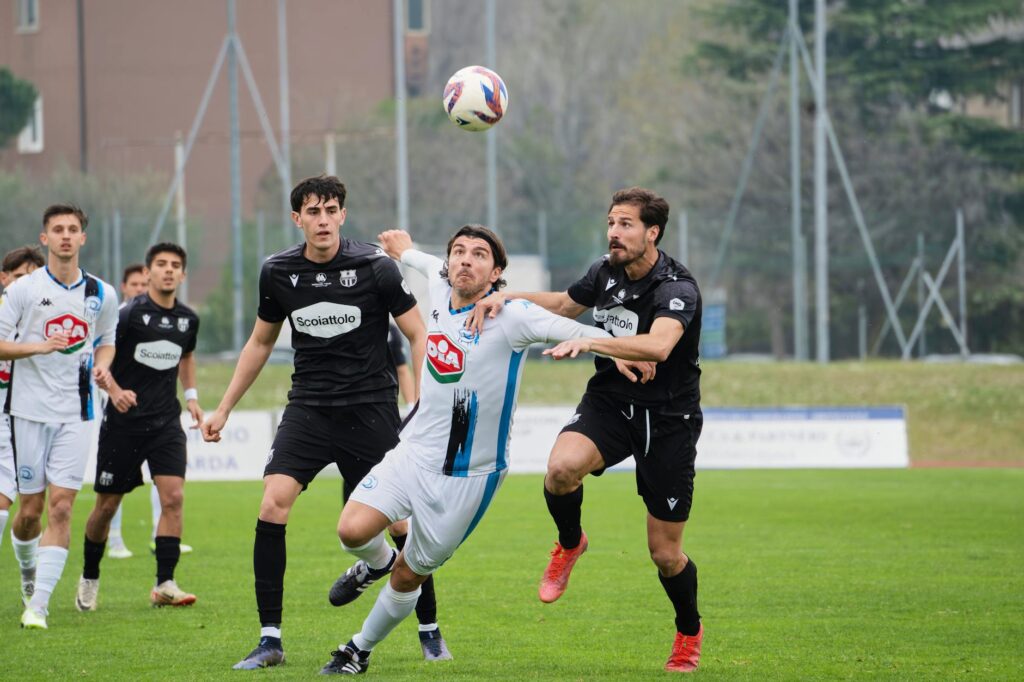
x=168, y=593
x=33, y=619
x=556, y=575
x=347, y=661
x=434, y=648
x=117, y=549
x=185, y=549
x=266, y=654
x=28, y=584
x=88, y=591
x=685, y=652
x=355, y=580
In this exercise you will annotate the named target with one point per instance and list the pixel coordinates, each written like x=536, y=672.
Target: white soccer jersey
x=469, y=385
x=58, y=387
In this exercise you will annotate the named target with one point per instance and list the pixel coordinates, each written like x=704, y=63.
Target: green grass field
x=804, y=574
x=956, y=413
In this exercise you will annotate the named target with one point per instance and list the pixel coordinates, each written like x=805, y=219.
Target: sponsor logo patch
x=5, y=374
x=446, y=359
x=321, y=280
x=676, y=304
x=165, y=323
x=160, y=355
x=75, y=327
x=369, y=483
x=618, y=321
x=26, y=473
x=326, y=320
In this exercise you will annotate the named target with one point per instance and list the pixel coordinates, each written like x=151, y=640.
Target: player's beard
x=624, y=255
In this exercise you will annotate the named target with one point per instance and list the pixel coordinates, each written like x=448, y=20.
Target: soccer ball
x=475, y=98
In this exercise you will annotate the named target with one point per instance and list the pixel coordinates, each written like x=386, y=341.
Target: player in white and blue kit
x=453, y=453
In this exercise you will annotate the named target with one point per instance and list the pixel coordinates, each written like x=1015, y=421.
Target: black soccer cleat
x=355, y=580
x=266, y=654
x=347, y=661
x=434, y=648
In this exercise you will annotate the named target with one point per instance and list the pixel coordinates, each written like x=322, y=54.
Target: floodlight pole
x=285, y=113
x=961, y=276
x=820, y=189
x=401, y=148
x=799, y=276
x=236, y=181
x=492, y=141
x=179, y=205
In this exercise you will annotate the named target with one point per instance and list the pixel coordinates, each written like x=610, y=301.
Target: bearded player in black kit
x=651, y=305
x=337, y=294
x=155, y=340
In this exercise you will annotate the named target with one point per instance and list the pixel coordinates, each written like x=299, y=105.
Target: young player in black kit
x=156, y=337
x=651, y=305
x=337, y=294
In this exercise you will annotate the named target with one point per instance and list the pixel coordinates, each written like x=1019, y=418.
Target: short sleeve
x=677, y=300
x=584, y=290
x=194, y=336
x=394, y=290
x=106, y=324
x=10, y=312
x=124, y=314
x=270, y=309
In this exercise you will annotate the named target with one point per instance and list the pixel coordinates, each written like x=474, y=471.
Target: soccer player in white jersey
x=16, y=264
x=65, y=320
x=453, y=453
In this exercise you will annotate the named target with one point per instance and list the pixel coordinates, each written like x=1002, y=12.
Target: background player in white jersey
x=65, y=320
x=156, y=339
x=453, y=453
x=135, y=282
x=16, y=264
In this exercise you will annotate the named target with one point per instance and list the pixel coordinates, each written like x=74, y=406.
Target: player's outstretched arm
x=411, y=325
x=187, y=376
x=250, y=362
x=395, y=242
x=557, y=302
x=654, y=346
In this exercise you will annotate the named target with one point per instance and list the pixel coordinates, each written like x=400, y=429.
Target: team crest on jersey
x=348, y=278
x=75, y=327
x=92, y=307
x=182, y=324
x=5, y=374
x=446, y=360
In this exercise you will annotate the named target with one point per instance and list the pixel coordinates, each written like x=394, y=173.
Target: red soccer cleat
x=556, y=576
x=685, y=652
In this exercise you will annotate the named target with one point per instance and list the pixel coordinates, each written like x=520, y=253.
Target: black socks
x=168, y=551
x=268, y=563
x=566, y=511
x=93, y=554
x=682, y=592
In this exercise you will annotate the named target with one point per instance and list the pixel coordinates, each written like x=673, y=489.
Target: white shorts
x=442, y=510
x=50, y=453
x=8, y=483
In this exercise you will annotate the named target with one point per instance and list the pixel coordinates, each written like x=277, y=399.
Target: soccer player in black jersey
x=337, y=294
x=652, y=307
x=155, y=342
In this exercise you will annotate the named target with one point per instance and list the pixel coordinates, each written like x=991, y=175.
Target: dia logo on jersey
x=446, y=360
x=75, y=327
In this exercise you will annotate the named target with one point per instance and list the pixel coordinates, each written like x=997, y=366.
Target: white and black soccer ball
x=475, y=98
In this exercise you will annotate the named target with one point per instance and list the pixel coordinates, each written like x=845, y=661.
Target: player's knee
x=669, y=560
x=59, y=512
x=352, y=534
x=106, y=506
x=172, y=502
x=562, y=477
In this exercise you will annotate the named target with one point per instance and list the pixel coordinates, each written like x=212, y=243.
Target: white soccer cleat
x=168, y=593
x=117, y=549
x=88, y=592
x=186, y=549
x=33, y=619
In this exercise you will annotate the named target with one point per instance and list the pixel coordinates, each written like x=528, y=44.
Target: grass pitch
x=803, y=574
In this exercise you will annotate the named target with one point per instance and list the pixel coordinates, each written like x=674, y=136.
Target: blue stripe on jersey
x=460, y=467
x=79, y=283
x=511, y=384
x=88, y=411
x=493, y=479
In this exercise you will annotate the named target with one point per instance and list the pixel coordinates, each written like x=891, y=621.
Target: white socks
x=376, y=553
x=115, y=523
x=49, y=568
x=390, y=609
x=25, y=551
x=3, y=522
x=154, y=501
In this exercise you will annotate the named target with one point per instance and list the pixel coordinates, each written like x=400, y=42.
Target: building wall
x=147, y=63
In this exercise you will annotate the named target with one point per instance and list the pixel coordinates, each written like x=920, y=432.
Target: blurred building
x=119, y=79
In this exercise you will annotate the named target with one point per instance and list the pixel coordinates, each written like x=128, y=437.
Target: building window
x=28, y=15
x=30, y=141
x=417, y=13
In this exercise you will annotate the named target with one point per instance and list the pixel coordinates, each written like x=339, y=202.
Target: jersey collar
x=80, y=282
x=465, y=308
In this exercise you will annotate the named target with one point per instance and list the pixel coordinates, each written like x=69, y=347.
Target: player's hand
x=486, y=308
x=630, y=368
x=123, y=400
x=570, y=348
x=103, y=378
x=212, y=427
x=395, y=242
x=58, y=341
x=196, y=412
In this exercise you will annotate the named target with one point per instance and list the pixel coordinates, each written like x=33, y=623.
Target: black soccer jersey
x=626, y=308
x=339, y=316
x=149, y=344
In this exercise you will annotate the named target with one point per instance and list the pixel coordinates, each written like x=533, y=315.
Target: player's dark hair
x=653, y=209
x=65, y=209
x=134, y=268
x=21, y=255
x=493, y=240
x=166, y=247
x=326, y=187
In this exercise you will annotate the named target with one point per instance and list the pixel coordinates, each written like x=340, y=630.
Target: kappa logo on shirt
x=45, y=302
x=75, y=327
x=446, y=360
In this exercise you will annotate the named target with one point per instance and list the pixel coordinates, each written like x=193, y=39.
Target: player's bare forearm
x=654, y=346
x=411, y=325
x=12, y=350
x=250, y=363
x=557, y=302
x=103, y=357
x=187, y=371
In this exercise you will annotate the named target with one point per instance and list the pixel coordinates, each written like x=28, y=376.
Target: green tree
x=16, y=100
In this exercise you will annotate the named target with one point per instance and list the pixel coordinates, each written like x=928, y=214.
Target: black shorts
x=663, y=441
x=121, y=453
x=354, y=438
